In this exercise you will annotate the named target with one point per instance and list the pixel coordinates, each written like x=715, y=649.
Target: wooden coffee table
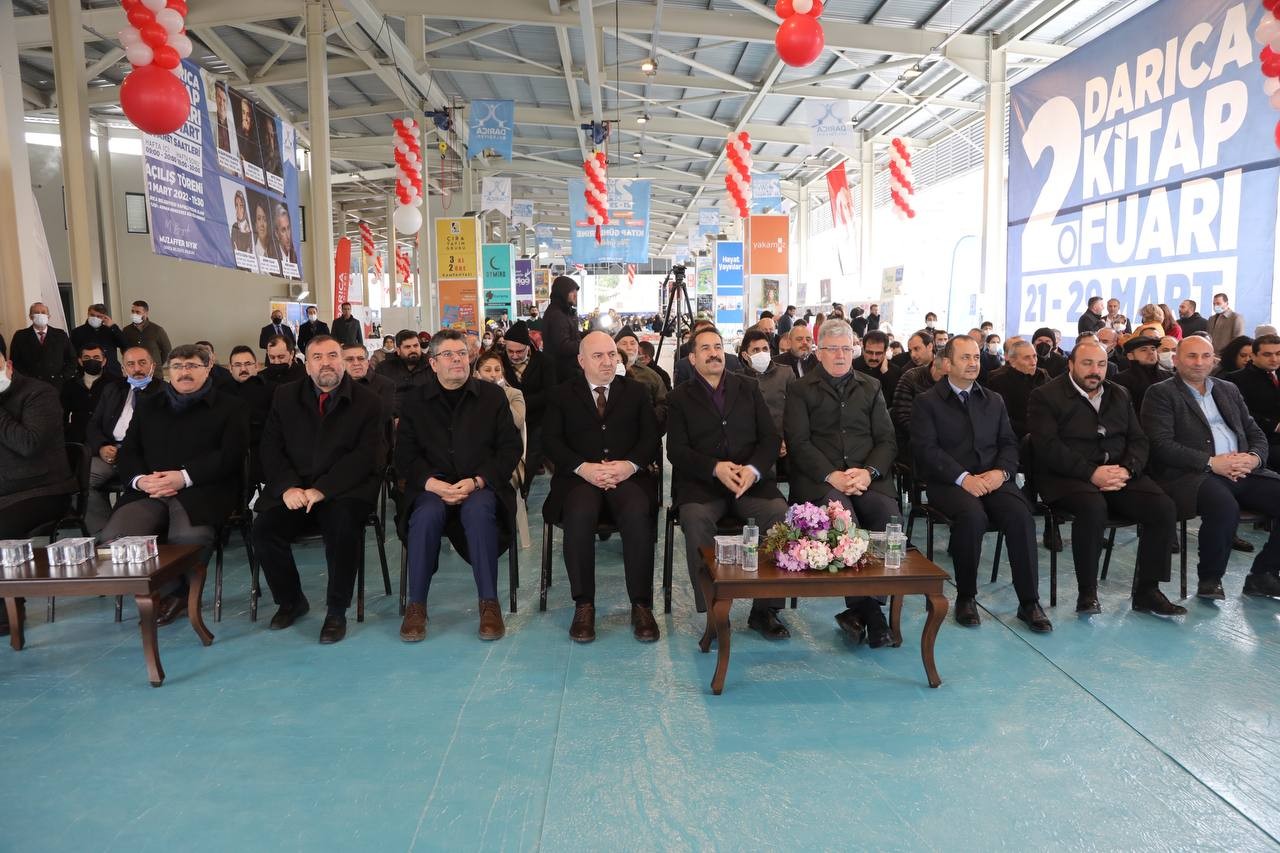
x=721, y=584
x=146, y=582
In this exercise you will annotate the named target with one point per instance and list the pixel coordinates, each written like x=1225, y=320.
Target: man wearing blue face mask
x=1225, y=325
x=108, y=427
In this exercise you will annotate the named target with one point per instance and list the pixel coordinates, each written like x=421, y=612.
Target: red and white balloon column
x=408, y=156
x=738, y=179
x=901, y=180
x=153, y=95
x=1268, y=35
x=596, y=169
x=800, y=39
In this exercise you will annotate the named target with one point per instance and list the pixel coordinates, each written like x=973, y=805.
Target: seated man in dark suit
x=800, y=357
x=322, y=454
x=602, y=435
x=220, y=375
x=1144, y=370
x=722, y=443
x=282, y=362
x=1016, y=380
x=249, y=386
x=456, y=449
x=874, y=362
x=1090, y=453
x=108, y=427
x=1210, y=456
x=1259, y=382
x=356, y=359
x=181, y=464
x=965, y=450
x=81, y=395
x=532, y=374
x=841, y=447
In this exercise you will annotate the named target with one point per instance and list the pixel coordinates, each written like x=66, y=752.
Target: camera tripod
x=677, y=301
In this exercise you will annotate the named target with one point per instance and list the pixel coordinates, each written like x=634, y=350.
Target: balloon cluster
x=153, y=95
x=597, y=193
x=366, y=239
x=901, y=186
x=1268, y=35
x=800, y=39
x=408, y=154
x=377, y=265
x=738, y=179
x=402, y=264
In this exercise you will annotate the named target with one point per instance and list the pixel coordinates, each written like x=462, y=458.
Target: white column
x=107, y=217
x=20, y=264
x=995, y=225
x=391, y=249
x=321, y=236
x=425, y=296
x=801, y=248
x=866, y=208
x=77, y=165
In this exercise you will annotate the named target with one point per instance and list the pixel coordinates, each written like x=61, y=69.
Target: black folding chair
x=241, y=519
x=78, y=460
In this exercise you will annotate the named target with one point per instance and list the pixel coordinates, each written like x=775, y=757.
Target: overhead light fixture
x=642, y=118
x=649, y=66
x=913, y=72
x=637, y=154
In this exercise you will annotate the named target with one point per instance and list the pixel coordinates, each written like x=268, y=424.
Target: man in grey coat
x=1210, y=457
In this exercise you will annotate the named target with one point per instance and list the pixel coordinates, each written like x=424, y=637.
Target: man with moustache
x=322, y=453
x=282, y=362
x=356, y=360
x=874, y=362
x=406, y=369
x=249, y=386
x=1144, y=369
x=1090, y=454
x=799, y=358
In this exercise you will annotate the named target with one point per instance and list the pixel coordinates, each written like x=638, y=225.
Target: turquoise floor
x=1123, y=732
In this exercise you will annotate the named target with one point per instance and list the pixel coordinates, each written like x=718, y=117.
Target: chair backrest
x=78, y=459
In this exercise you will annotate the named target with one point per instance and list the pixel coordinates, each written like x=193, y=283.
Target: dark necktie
x=964, y=398
x=278, y=332
x=324, y=398
x=40, y=335
x=1275, y=380
x=600, y=401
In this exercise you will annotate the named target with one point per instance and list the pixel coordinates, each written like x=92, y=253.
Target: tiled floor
x=1119, y=732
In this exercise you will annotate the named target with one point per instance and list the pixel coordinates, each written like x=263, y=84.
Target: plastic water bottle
x=894, y=545
x=750, y=546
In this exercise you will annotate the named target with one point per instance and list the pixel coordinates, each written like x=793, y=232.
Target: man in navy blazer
x=1210, y=456
x=964, y=448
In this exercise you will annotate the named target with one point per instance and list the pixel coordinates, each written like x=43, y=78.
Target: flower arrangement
x=814, y=537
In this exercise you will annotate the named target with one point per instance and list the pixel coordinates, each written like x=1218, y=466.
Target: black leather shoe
x=333, y=630
x=288, y=614
x=1177, y=547
x=1153, y=601
x=171, y=607
x=583, y=628
x=766, y=621
x=1238, y=544
x=1087, y=604
x=851, y=623
x=1033, y=615
x=878, y=633
x=967, y=611
x=1210, y=589
x=643, y=625
x=1262, y=585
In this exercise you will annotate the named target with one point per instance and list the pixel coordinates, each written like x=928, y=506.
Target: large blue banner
x=625, y=240
x=766, y=193
x=223, y=188
x=728, y=283
x=1143, y=167
x=491, y=127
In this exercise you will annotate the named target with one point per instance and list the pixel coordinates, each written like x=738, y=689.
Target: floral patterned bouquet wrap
x=815, y=537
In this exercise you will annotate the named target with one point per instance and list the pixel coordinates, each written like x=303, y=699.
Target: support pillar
x=425, y=296
x=800, y=247
x=77, y=165
x=866, y=216
x=995, y=225
x=112, y=296
x=321, y=236
x=392, y=274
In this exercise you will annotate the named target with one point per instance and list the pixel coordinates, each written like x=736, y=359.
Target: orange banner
x=770, y=245
x=459, y=303
x=341, y=274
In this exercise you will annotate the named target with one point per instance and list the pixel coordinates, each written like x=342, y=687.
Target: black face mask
x=92, y=368
x=1044, y=350
x=276, y=369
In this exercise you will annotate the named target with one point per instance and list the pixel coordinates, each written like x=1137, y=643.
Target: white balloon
x=128, y=37
x=139, y=55
x=170, y=20
x=181, y=44
x=402, y=148
x=1270, y=85
x=1274, y=44
x=1268, y=29
x=407, y=219
x=411, y=157
x=1275, y=101
x=802, y=7
x=155, y=5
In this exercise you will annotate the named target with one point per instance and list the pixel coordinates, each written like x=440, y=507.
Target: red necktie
x=324, y=398
x=40, y=335
x=1275, y=380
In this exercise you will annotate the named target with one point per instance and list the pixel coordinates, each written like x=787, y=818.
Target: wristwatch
x=875, y=473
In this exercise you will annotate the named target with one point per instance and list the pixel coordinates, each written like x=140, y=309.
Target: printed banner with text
x=625, y=240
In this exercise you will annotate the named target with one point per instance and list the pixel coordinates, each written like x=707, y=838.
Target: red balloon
x=154, y=35
x=154, y=100
x=129, y=5
x=139, y=16
x=816, y=11
x=179, y=6
x=167, y=57
x=1270, y=4
x=784, y=9
x=1271, y=69
x=1267, y=54
x=799, y=41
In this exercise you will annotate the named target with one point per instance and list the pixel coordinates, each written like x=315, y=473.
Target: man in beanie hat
x=532, y=374
x=1144, y=369
x=629, y=356
x=1046, y=358
x=560, y=327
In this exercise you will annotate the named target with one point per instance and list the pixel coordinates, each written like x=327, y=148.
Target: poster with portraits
x=223, y=189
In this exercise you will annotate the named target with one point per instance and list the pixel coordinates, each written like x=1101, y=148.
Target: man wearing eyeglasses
x=322, y=456
x=841, y=447
x=456, y=448
x=182, y=461
x=602, y=435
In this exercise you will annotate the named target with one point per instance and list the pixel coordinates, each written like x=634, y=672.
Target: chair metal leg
x=544, y=581
x=119, y=608
x=246, y=533
x=1111, y=544
x=995, y=564
x=1051, y=523
x=49, y=609
x=513, y=571
x=1182, y=540
x=379, y=532
x=360, y=578
x=795, y=602
x=928, y=533
x=217, y=578
x=667, y=553
x=404, y=579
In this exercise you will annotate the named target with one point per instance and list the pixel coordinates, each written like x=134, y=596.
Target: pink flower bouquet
x=817, y=538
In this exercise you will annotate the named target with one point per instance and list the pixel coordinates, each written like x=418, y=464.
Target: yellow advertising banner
x=457, y=249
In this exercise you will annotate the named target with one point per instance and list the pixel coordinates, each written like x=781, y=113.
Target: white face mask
x=5, y=381
x=620, y=369
x=311, y=318
x=994, y=349
x=857, y=352
x=40, y=320
x=1166, y=359
x=760, y=361
x=95, y=322
x=137, y=319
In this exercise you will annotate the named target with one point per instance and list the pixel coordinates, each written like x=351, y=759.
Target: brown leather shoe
x=643, y=625
x=171, y=607
x=414, y=627
x=583, y=629
x=491, y=627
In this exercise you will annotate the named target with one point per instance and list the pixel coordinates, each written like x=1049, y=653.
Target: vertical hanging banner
x=342, y=272
x=626, y=238
x=524, y=287
x=708, y=221
x=498, y=280
x=457, y=272
x=728, y=285
x=491, y=128
x=522, y=212
x=545, y=235
x=766, y=193
x=842, y=217
x=495, y=194
x=829, y=126
x=1143, y=167
x=223, y=188
x=704, y=287
x=768, y=263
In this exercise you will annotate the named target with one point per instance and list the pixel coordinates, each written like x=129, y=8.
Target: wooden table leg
x=195, y=585
x=704, y=580
x=895, y=619
x=721, y=611
x=937, y=606
x=150, y=645
x=16, y=615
